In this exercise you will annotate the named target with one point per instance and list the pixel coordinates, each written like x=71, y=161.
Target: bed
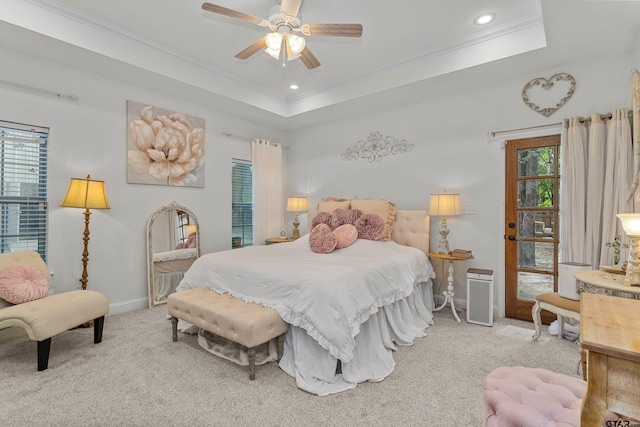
x=347, y=310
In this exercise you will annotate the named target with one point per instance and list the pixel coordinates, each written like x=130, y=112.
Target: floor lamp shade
x=443, y=204
x=297, y=204
x=87, y=194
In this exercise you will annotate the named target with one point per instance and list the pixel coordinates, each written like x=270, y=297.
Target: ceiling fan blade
x=337, y=30
x=257, y=46
x=309, y=59
x=290, y=7
x=210, y=7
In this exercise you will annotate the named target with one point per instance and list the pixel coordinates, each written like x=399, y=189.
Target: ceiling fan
x=284, y=42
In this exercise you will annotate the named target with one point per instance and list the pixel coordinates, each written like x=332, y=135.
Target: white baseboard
x=126, y=306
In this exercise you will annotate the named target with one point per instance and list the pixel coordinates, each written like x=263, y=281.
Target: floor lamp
x=86, y=194
x=444, y=204
x=297, y=204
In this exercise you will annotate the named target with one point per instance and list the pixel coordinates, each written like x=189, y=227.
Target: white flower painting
x=164, y=147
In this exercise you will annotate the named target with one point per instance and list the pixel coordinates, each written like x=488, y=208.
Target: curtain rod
x=494, y=133
x=607, y=116
x=38, y=90
x=229, y=135
x=244, y=138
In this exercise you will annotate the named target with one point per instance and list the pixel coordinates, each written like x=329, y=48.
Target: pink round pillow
x=344, y=216
x=22, y=283
x=370, y=227
x=321, y=218
x=321, y=240
x=345, y=235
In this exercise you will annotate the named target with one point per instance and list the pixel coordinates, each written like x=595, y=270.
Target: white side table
x=448, y=294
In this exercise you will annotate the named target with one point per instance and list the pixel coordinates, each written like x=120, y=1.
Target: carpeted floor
x=138, y=377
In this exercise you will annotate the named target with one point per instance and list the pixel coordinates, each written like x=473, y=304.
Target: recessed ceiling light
x=485, y=18
x=294, y=87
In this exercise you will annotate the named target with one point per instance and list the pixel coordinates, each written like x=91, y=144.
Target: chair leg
x=44, y=347
x=98, y=325
x=535, y=313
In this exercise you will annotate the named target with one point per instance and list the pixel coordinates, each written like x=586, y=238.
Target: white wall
x=451, y=152
x=89, y=137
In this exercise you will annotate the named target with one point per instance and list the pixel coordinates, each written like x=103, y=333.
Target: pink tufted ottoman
x=519, y=396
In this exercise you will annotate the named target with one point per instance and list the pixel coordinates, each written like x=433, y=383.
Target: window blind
x=241, y=203
x=23, y=188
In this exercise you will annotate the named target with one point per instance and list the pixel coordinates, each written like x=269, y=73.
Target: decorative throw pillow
x=321, y=240
x=330, y=204
x=321, y=218
x=384, y=208
x=344, y=216
x=345, y=235
x=370, y=227
x=22, y=283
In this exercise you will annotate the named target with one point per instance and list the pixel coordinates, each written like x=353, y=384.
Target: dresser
x=610, y=332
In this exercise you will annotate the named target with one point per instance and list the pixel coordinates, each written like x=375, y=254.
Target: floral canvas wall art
x=164, y=147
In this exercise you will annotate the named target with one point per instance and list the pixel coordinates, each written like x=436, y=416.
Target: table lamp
x=444, y=204
x=87, y=194
x=297, y=204
x=631, y=225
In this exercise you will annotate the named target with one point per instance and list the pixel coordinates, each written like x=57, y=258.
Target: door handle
x=512, y=237
x=512, y=225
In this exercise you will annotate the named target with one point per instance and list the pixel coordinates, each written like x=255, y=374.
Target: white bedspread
x=352, y=305
x=328, y=295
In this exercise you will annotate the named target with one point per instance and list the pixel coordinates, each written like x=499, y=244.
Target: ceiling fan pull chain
x=283, y=52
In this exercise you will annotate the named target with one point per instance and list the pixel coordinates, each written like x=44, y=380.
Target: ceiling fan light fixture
x=296, y=44
x=273, y=40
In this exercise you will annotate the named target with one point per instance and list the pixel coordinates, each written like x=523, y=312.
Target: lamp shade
x=445, y=204
x=86, y=193
x=630, y=223
x=297, y=204
x=190, y=229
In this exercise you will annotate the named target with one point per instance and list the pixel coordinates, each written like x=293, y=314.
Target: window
x=23, y=188
x=182, y=228
x=241, y=204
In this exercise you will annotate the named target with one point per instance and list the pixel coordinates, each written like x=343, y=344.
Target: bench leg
x=44, y=347
x=174, y=328
x=98, y=325
x=252, y=363
x=535, y=313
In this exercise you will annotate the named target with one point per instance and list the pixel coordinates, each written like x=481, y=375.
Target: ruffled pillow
x=321, y=218
x=322, y=240
x=370, y=227
x=345, y=235
x=344, y=216
x=23, y=283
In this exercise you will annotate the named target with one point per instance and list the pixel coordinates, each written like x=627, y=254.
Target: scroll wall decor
x=375, y=147
x=565, y=88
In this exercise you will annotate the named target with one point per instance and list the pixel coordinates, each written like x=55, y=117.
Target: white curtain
x=596, y=174
x=268, y=205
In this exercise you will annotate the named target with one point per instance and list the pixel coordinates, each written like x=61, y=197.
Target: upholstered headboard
x=411, y=228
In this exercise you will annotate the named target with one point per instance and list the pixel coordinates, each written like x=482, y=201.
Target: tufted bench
x=561, y=306
x=519, y=396
x=247, y=324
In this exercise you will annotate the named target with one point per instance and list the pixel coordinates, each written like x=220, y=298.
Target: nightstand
x=448, y=294
x=274, y=240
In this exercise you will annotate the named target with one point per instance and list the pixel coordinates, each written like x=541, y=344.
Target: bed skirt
x=318, y=372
